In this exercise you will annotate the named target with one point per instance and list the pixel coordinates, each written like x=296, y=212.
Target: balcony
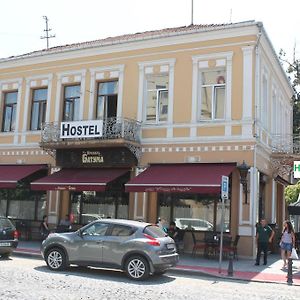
x=285, y=150
x=115, y=132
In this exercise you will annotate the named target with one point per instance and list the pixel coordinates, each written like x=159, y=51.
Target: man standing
x=264, y=236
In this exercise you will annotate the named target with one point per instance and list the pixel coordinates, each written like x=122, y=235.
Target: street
x=25, y=278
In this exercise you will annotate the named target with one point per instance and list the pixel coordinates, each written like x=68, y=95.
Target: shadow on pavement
x=103, y=274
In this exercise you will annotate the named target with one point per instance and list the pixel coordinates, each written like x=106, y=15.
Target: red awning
x=78, y=179
x=181, y=178
x=11, y=174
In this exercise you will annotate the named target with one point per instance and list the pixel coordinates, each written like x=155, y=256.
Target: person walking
x=287, y=242
x=44, y=228
x=264, y=236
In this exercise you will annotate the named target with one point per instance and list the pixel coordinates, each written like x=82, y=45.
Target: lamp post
x=243, y=169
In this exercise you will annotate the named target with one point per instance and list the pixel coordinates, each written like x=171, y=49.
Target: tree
x=291, y=193
x=293, y=70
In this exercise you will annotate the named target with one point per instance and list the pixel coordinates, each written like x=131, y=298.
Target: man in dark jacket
x=264, y=236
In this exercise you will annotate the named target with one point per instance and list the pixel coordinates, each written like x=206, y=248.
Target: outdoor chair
x=232, y=247
x=197, y=244
x=179, y=241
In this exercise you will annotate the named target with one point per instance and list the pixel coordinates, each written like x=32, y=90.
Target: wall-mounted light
x=243, y=169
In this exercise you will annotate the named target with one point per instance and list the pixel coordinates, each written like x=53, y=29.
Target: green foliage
x=291, y=193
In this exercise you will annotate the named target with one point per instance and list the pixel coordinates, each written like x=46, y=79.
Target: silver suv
x=137, y=248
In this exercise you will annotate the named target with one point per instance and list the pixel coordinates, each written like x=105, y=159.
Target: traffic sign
x=224, y=187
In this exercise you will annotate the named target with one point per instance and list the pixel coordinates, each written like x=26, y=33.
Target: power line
x=47, y=30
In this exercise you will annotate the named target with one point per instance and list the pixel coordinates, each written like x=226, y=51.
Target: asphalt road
x=25, y=278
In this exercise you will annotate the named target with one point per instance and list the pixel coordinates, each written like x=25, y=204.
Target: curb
x=223, y=276
x=33, y=254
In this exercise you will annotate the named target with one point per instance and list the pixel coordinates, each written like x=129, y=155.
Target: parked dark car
x=8, y=237
x=139, y=249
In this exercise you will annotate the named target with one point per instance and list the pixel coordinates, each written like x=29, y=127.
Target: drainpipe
x=255, y=135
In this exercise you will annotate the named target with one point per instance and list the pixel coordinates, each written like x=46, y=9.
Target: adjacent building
x=145, y=125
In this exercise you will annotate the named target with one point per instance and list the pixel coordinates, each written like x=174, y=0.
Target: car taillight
x=151, y=240
x=16, y=234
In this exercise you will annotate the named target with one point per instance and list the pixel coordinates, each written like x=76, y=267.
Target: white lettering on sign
x=81, y=129
x=296, y=169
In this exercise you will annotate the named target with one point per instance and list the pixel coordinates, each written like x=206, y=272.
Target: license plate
x=170, y=246
x=5, y=244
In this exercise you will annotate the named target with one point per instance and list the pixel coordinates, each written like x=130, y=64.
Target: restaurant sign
x=92, y=157
x=81, y=129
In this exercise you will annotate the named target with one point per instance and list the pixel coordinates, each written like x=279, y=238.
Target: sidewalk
x=244, y=269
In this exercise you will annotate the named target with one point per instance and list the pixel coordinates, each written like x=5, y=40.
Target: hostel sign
x=81, y=129
x=296, y=169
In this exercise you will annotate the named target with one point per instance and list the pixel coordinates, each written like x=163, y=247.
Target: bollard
x=290, y=272
x=230, y=265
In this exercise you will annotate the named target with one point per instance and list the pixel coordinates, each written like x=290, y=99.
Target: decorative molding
x=18, y=112
x=247, y=84
x=219, y=148
x=245, y=230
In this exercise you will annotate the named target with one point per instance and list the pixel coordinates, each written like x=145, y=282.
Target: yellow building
x=185, y=105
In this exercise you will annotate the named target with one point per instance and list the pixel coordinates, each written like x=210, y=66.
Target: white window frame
x=166, y=67
x=116, y=72
x=157, y=105
x=200, y=62
x=214, y=88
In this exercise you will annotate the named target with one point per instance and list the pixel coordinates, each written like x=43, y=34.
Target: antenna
x=47, y=30
x=192, y=12
x=230, y=17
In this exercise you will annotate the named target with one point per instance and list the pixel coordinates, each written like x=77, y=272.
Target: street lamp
x=243, y=169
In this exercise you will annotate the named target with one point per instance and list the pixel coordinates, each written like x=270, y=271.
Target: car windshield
x=154, y=231
x=5, y=223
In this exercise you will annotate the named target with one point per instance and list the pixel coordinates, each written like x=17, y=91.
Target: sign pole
x=221, y=235
x=224, y=196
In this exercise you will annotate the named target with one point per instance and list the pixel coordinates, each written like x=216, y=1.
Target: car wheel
x=137, y=268
x=56, y=259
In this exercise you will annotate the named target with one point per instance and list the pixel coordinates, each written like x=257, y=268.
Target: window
x=107, y=100
x=213, y=87
x=22, y=203
x=157, y=98
x=264, y=105
x=97, y=229
x=99, y=204
x=120, y=230
x=38, y=111
x=10, y=109
x=71, y=103
x=193, y=211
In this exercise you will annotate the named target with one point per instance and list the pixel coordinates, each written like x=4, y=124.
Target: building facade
x=143, y=126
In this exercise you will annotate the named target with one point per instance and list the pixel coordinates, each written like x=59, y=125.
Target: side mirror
x=79, y=232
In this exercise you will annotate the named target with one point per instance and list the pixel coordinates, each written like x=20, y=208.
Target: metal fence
x=113, y=128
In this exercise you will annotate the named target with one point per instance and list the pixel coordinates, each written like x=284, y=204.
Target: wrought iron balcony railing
x=113, y=128
x=288, y=144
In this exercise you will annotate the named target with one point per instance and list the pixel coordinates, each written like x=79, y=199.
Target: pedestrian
x=264, y=236
x=173, y=231
x=161, y=223
x=287, y=242
x=44, y=228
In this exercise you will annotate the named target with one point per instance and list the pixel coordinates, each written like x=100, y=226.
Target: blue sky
x=21, y=22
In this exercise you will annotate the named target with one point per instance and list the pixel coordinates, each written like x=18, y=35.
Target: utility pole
x=47, y=30
x=192, y=12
